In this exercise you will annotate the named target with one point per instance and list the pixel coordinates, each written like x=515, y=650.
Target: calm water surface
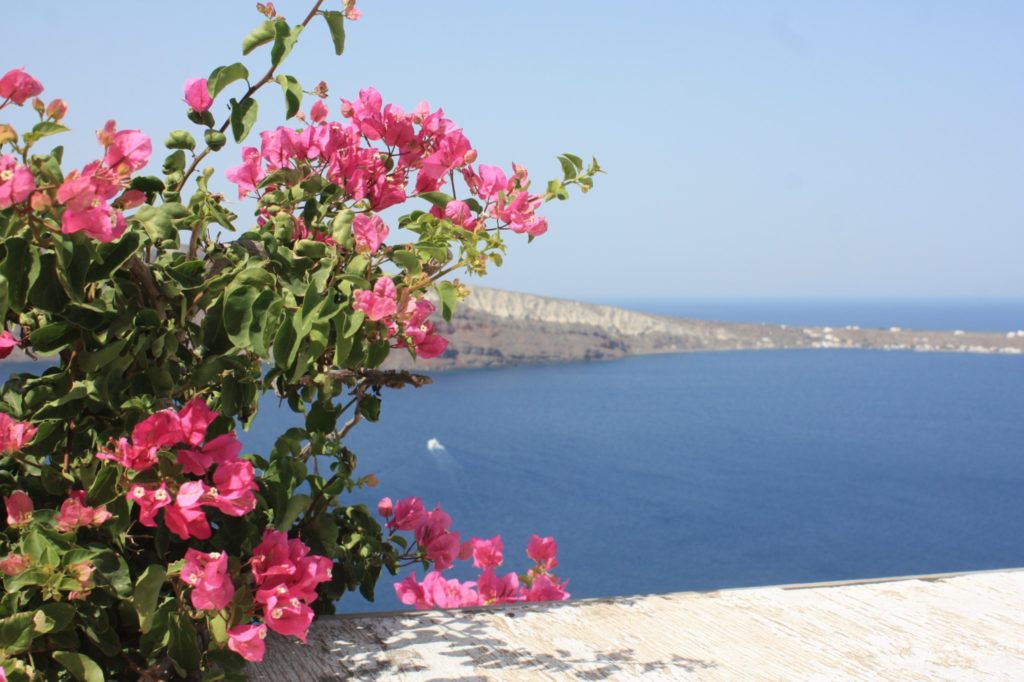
x=710, y=470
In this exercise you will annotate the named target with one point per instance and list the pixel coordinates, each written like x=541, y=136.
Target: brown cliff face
x=494, y=328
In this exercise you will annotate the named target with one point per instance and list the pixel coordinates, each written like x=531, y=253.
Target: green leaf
x=16, y=268
x=576, y=161
x=449, y=297
x=52, y=337
x=53, y=617
x=81, y=666
x=369, y=407
x=113, y=255
x=182, y=648
x=439, y=199
x=16, y=633
x=243, y=117
x=45, y=129
x=238, y=307
x=407, y=260
x=336, y=25
x=223, y=76
x=284, y=41
x=292, y=94
x=261, y=35
x=296, y=505
x=147, y=593
x=568, y=169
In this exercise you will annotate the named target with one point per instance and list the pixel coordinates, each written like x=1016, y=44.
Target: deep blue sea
x=708, y=470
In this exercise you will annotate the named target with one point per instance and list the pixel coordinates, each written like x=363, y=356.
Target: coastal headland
x=493, y=328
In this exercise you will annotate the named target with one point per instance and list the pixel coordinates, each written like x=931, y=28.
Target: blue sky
x=772, y=149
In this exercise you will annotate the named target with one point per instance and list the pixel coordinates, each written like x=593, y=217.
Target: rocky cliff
x=493, y=328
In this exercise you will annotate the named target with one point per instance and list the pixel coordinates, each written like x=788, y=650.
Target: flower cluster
x=86, y=194
x=374, y=157
x=441, y=547
x=224, y=481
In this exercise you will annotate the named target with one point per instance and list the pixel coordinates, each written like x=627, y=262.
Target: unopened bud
x=7, y=134
x=321, y=89
x=470, y=156
x=347, y=110
x=215, y=139
x=57, y=109
x=40, y=201
x=38, y=105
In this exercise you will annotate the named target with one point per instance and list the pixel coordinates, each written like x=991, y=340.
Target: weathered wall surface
x=968, y=627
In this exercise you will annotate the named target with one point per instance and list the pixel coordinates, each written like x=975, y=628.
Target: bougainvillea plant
x=137, y=540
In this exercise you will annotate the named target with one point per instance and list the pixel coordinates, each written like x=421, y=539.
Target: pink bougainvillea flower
x=18, y=86
x=411, y=593
x=150, y=501
x=369, y=232
x=519, y=212
x=234, y=485
x=74, y=513
x=460, y=214
x=102, y=223
x=195, y=419
x=543, y=588
x=8, y=342
x=488, y=553
x=318, y=112
x=14, y=564
x=379, y=303
x=134, y=457
x=366, y=113
x=187, y=522
x=543, y=551
x=443, y=550
x=495, y=590
x=450, y=594
x=14, y=435
x=248, y=641
x=16, y=182
x=223, y=449
x=128, y=152
x=278, y=147
x=159, y=430
x=207, y=574
x=19, y=508
x=385, y=507
x=197, y=94
x=492, y=182
x=409, y=514
x=249, y=175
x=57, y=109
x=288, y=616
x=133, y=198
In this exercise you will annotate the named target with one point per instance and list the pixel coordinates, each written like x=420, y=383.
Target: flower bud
x=470, y=156
x=40, y=201
x=215, y=139
x=7, y=134
x=38, y=105
x=385, y=507
x=57, y=109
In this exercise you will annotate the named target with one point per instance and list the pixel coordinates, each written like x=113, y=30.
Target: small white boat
x=434, y=445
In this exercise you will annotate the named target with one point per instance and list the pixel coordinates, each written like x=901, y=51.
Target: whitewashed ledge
x=943, y=627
